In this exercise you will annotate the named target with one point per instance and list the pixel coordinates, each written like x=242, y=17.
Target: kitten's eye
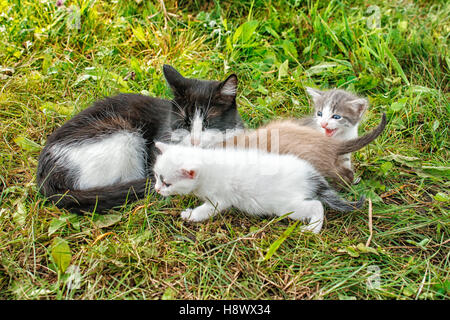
x=319, y=113
x=336, y=116
x=163, y=182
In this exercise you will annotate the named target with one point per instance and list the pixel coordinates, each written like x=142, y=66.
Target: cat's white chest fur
x=116, y=158
x=348, y=133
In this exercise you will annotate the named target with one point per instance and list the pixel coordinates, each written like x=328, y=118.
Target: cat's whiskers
x=182, y=112
x=166, y=137
x=208, y=107
x=177, y=114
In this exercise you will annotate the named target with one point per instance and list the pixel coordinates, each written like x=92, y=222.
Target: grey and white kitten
x=337, y=113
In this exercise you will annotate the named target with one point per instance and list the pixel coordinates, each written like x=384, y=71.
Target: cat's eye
x=163, y=182
x=319, y=113
x=336, y=116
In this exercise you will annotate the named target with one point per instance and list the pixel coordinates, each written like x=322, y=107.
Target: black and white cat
x=104, y=155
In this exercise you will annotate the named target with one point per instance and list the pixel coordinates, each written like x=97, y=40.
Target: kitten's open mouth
x=330, y=132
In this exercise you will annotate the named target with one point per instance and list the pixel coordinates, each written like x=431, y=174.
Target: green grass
x=396, y=54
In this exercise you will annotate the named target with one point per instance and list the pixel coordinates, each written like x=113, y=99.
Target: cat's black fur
x=152, y=118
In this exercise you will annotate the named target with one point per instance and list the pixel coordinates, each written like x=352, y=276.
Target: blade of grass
x=275, y=245
x=395, y=63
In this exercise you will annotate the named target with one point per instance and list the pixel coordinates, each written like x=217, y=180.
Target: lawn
x=57, y=57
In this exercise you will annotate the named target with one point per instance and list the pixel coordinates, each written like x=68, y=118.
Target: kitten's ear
x=161, y=146
x=189, y=174
x=175, y=80
x=228, y=87
x=360, y=105
x=315, y=94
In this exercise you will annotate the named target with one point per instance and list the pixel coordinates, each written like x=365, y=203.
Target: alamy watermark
x=374, y=20
x=373, y=280
x=73, y=15
x=263, y=139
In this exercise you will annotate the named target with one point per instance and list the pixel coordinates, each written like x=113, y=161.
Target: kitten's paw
x=193, y=215
x=186, y=214
x=314, y=227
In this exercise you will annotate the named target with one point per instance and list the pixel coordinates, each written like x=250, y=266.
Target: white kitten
x=253, y=181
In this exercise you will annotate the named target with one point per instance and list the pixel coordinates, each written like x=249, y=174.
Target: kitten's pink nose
x=195, y=142
x=324, y=124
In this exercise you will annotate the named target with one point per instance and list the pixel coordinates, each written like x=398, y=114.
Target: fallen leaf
x=27, y=144
x=283, y=70
x=106, y=220
x=61, y=254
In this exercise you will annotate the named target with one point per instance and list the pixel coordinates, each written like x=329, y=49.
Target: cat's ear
x=228, y=87
x=175, y=80
x=161, y=146
x=315, y=94
x=360, y=105
x=188, y=173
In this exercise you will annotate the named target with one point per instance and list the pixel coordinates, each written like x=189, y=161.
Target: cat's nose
x=324, y=124
x=195, y=142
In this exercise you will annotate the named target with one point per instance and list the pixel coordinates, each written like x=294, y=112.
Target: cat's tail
x=357, y=143
x=327, y=195
x=103, y=198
